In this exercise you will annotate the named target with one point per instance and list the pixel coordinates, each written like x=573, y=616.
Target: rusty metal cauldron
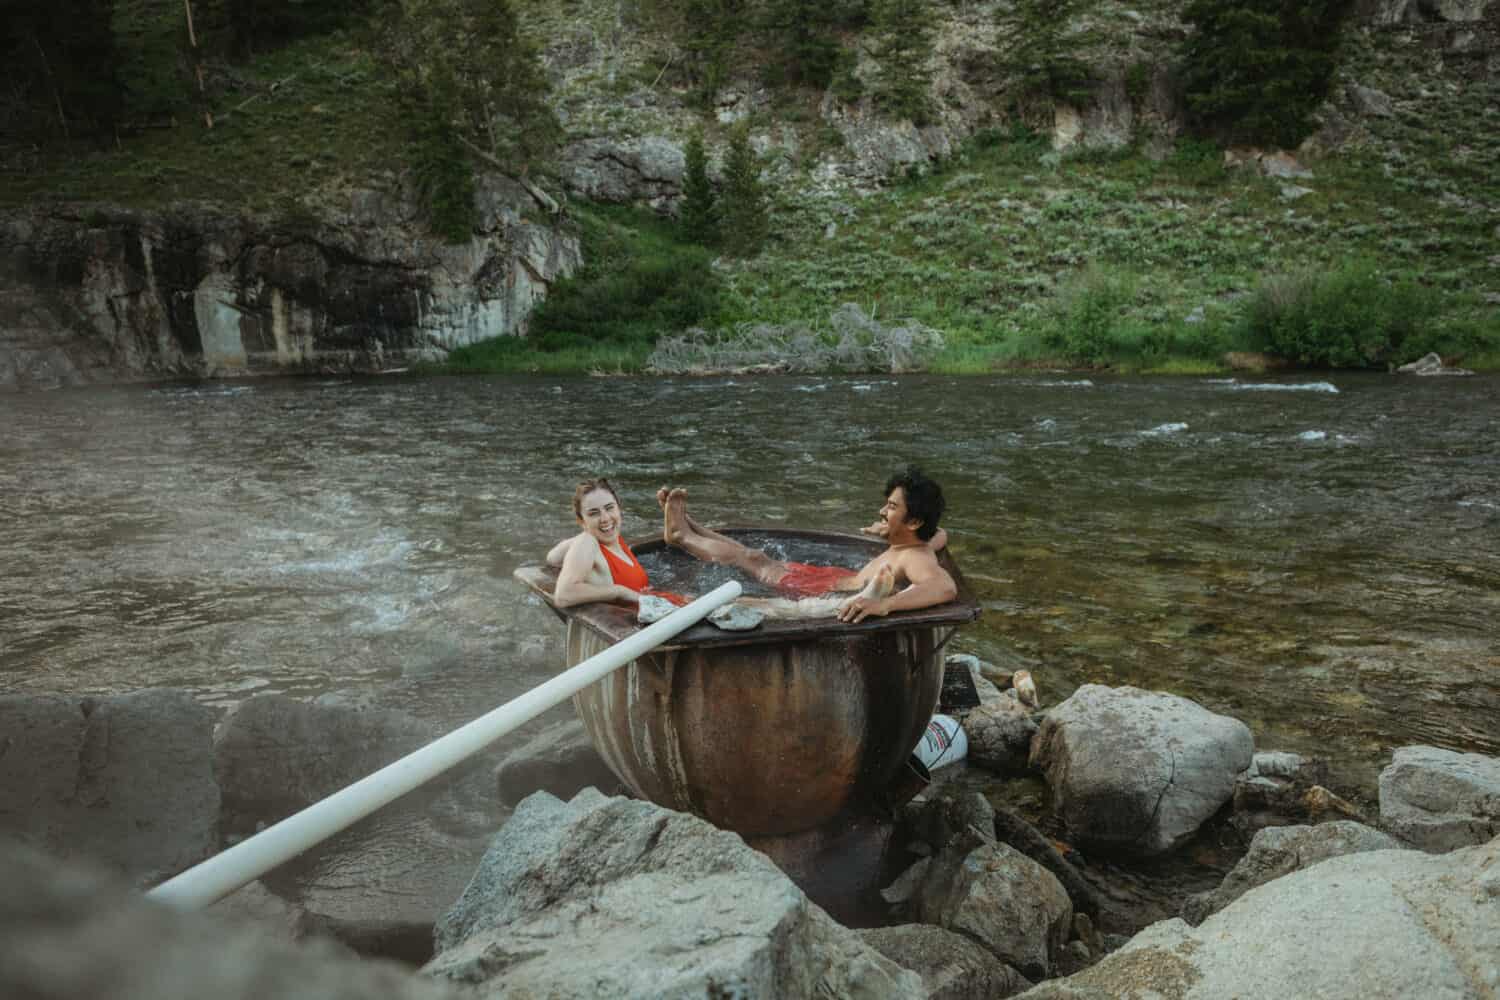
x=770, y=732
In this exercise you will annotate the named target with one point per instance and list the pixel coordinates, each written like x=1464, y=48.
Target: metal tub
x=769, y=732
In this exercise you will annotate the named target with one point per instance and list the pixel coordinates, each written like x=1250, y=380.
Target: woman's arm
x=573, y=586
x=559, y=551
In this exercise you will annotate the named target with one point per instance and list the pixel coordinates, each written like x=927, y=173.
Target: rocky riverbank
x=608, y=896
x=97, y=293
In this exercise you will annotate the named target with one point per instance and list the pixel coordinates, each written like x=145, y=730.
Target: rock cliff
x=96, y=292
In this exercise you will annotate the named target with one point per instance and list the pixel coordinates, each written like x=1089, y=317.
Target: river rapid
x=1319, y=557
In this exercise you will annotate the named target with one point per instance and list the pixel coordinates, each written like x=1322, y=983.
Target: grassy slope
x=986, y=249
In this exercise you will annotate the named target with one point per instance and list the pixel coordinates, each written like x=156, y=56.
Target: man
x=908, y=521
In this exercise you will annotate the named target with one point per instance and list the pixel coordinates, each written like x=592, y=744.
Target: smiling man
x=908, y=521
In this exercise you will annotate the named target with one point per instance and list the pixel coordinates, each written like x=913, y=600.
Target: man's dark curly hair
x=924, y=499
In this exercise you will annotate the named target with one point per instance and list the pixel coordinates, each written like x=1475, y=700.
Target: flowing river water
x=1317, y=557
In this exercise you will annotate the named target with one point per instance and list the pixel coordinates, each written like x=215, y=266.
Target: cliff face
x=98, y=293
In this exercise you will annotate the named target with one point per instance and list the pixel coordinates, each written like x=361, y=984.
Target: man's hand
x=859, y=607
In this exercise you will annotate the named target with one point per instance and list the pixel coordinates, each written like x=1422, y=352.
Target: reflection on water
x=1315, y=556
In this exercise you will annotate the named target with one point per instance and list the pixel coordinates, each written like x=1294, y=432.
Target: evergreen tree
x=903, y=47
x=59, y=63
x=713, y=29
x=802, y=40
x=1257, y=72
x=745, y=217
x=700, y=211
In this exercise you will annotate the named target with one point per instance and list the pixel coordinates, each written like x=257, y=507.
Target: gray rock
x=1431, y=364
x=1381, y=924
x=274, y=755
x=736, y=618
x=613, y=897
x=560, y=761
x=999, y=897
x=1463, y=11
x=1276, y=782
x=1439, y=799
x=1283, y=165
x=1000, y=734
x=651, y=608
x=66, y=931
x=646, y=169
x=1138, y=771
x=126, y=780
x=951, y=966
x=1369, y=101
x=1282, y=850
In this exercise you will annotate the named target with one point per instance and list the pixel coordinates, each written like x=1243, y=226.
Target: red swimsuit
x=633, y=575
x=808, y=581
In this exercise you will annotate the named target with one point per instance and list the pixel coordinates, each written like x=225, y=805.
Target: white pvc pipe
x=253, y=857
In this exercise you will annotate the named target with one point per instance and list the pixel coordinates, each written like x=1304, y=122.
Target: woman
x=596, y=564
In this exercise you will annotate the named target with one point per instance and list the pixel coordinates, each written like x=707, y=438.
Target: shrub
x=743, y=212
x=699, y=213
x=1089, y=322
x=1354, y=317
x=640, y=281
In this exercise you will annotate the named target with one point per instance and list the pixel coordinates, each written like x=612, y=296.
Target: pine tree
x=1257, y=72
x=746, y=222
x=802, y=39
x=700, y=211
x=903, y=48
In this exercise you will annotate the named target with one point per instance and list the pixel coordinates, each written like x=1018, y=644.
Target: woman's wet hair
x=924, y=499
x=588, y=486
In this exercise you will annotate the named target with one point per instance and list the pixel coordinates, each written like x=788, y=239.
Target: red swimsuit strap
x=629, y=574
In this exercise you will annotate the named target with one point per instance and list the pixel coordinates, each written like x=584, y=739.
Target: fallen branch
x=542, y=198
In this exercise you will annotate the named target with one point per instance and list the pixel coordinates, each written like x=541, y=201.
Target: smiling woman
x=597, y=564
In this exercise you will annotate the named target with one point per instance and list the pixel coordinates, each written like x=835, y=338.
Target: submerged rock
x=1439, y=799
x=1282, y=850
x=604, y=897
x=274, y=754
x=1431, y=364
x=560, y=760
x=1375, y=924
x=125, y=781
x=1139, y=771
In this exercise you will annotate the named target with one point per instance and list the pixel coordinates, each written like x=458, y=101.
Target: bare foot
x=661, y=497
x=879, y=529
x=675, y=522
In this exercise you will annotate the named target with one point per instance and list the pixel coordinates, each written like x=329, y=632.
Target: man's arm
x=928, y=585
x=936, y=543
x=573, y=586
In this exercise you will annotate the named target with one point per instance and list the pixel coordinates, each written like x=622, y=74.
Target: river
x=1319, y=557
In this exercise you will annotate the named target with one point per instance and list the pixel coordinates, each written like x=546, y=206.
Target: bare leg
x=679, y=529
x=662, y=496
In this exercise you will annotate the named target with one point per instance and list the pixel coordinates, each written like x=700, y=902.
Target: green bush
x=1354, y=317
x=640, y=281
x=1089, y=320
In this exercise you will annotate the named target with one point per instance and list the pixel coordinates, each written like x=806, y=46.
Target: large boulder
x=952, y=967
x=126, y=780
x=1439, y=799
x=67, y=931
x=274, y=755
x=645, y=169
x=1281, y=850
x=613, y=897
x=1138, y=771
x=1386, y=924
x=997, y=896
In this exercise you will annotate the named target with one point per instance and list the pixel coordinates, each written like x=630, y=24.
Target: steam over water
x=1319, y=557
